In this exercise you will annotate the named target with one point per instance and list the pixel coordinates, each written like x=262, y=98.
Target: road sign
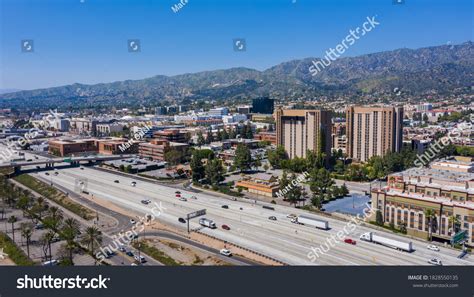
x=458, y=237
x=67, y=160
x=196, y=214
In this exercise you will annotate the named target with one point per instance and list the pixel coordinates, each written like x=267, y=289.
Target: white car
x=435, y=261
x=133, y=184
x=140, y=259
x=183, y=199
x=225, y=252
x=132, y=221
x=433, y=247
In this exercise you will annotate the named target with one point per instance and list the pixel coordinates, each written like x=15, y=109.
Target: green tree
x=243, y=158
x=214, y=171
x=69, y=232
x=294, y=194
x=92, y=238
x=197, y=167
x=379, y=218
x=316, y=201
x=27, y=232
x=429, y=215
x=320, y=182
x=275, y=157
x=12, y=220
x=200, y=139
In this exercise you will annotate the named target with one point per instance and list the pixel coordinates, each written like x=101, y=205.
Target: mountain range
x=441, y=70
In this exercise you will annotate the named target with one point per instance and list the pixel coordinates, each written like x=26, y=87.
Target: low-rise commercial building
x=262, y=184
x=157, y=149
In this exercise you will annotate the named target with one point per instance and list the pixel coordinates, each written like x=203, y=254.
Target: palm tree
x=91, y=235
x=12, y=220
x=430, y=215
x=46, y=239
x=53, y=219
x=70, y=230
x=26, y=232
x=40, y=207
x=454, y=222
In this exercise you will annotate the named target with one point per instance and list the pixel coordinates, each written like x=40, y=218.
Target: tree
x=92, y=235
x=174, y=157
x=320, y=183
x=196, y=167
x=26, y=232
x=243, y=158
x=69, y=232
x=454, y=222
x=425, y=118
x=200, y=139
x=248, y=131
x=12, y=220
x=266, y=167
x=294, y=194
x=210, y=136
x=214, y=171
x=379, y=218
x=275, y=157
x=429, y=215
x=316, y=201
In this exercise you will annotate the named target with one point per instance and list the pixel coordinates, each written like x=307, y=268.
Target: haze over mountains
x=439, y=69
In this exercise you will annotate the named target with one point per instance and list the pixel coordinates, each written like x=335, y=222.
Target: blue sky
x=86, y=41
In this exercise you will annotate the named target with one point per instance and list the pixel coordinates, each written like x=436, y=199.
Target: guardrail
x=243, y=248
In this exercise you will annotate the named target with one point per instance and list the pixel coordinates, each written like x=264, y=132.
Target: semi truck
x=310, y=221
x=207, y=223
x=392, y=243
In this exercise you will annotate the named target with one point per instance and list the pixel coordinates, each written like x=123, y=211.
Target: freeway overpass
x=49, y=162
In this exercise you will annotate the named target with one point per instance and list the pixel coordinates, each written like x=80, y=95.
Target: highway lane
x=251, y=227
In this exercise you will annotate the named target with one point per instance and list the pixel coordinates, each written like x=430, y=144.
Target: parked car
x=82, y=168
x=181, y=220
x=432, y=247
x=350, y=241
x=273, y=218
x=122, y=249
x=225, y=206
x=39, y=226
x=51, y=263
x=225, y=252
x=435, y=261
x=225, y=227
x=129, y=253
x=177, y=192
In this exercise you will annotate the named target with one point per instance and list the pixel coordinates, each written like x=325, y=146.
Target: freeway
x=250, y=226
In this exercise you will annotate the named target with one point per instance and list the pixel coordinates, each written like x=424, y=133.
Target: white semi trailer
x=393, y=243
x=310, y=221
x=207, y=223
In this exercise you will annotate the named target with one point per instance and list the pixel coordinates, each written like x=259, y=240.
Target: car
x=193, y=197
x=140, y=259
x=37, y=167
x=122, y=249
x=56, y=173
x=435, y=261
x=350, y=241
x=29, y=160
x=178, y=195
x=225, y=227
x=183, y=199
x=225, y=206
x=432, y=247
x=46, y=173
x=109, y=254
x=132, y=221
x=291, y=216
x=51, y=263
x=146, y=201
x=129, y=253
x=82, y=168
x=225, y=252
x=181, y=220
x=116, y=181
x=273, y=218
x=177, y=192
x=39, y=226
x=133, y=183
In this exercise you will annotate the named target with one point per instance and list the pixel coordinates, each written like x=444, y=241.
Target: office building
x=263, y=105
x=299, y=130
x=373, y=131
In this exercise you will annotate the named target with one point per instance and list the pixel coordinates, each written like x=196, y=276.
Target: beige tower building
x=299, y=130
x=373, y=131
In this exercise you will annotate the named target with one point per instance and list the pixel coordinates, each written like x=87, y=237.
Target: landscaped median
x=156, y=254
x=55, y=195
x=14, y=252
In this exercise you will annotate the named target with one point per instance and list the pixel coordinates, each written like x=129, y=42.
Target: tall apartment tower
x=373, y=131
x=299, y=130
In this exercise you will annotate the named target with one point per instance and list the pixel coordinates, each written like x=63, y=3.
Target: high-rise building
x=263, y=105
x=373, y=131
x=299, y=130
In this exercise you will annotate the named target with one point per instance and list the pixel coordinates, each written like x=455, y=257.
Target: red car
x=225, y=227
x=349, y=241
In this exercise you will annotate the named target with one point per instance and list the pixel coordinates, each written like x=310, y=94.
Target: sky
x=86, y=41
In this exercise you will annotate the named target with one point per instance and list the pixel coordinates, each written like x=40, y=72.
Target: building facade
x=373, y=131
x=300, y=130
